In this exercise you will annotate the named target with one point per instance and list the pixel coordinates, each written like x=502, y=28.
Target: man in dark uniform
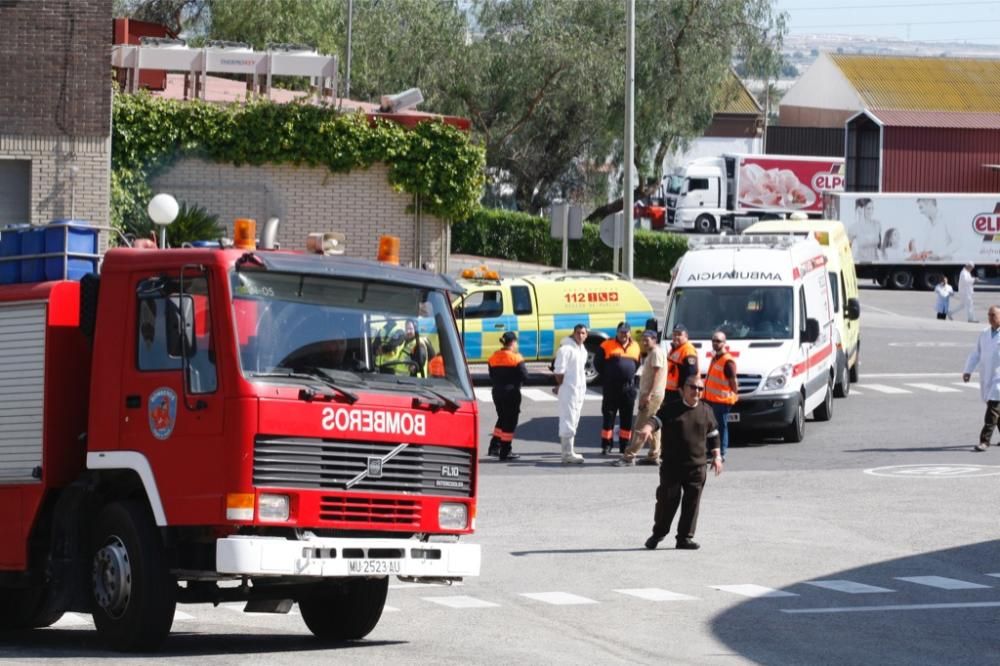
x=617, y=361
x=687, y=428
x=507, y=373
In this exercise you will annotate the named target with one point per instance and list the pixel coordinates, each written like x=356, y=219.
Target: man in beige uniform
x=652, y=384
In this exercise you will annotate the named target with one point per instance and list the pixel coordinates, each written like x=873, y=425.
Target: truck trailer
x=905, y=240
x=220, y=425
x=709, y=193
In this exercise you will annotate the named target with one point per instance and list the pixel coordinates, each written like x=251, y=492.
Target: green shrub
x=514, y=236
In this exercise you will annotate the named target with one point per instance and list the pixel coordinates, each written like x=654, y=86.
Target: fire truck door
x=177, y=428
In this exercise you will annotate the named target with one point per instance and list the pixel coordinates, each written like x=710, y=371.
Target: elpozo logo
x=987, y=225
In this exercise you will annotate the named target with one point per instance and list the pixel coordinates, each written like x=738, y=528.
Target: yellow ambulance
x=543, y=309
x=832, y=236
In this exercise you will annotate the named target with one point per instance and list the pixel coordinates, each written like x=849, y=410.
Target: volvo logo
x=375, y=465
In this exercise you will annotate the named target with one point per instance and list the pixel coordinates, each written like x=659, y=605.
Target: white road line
x=971, y=385
x=483, y=394
x=847, y=586
x=592, y=395
x=882, y=388
x=422, y=586
x=656, y=594
x=854, y=391
x=558, y=598
x=539, y=395
x=994, y=575
x=390, y=609
x=753, y=591
x=886, y=375
x=942, y=582
x=73, y=620
x=181, y=615
x=901, y=607
x=935, y=388
x=461, y=602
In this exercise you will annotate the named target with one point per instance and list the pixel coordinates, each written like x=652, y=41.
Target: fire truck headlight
x=273, y=507
x=453, y=516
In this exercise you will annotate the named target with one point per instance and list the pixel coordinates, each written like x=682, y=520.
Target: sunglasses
x=695, y=387
x=719, y=341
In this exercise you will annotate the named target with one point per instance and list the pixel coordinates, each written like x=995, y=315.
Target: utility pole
x=627, y=204
x=350, y=25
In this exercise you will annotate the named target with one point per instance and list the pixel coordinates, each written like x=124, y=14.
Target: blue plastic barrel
x=10, y=246
x=72, y=236
x=33, y=242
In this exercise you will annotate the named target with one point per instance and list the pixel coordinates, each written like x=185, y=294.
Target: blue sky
x=924, y=20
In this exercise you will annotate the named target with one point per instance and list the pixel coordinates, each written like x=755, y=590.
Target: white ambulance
x=771, y=296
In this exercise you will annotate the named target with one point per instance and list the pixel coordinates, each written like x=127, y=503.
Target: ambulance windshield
x=348, y=331
x=743, y=313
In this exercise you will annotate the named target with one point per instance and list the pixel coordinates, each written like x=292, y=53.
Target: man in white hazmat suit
x=966, y=280
x=571, y=386
x=986, y=357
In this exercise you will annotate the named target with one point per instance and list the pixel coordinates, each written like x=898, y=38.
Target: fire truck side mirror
x=180, y=326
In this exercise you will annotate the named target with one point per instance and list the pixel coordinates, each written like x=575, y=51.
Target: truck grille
x=303, y=462
x=364, y=510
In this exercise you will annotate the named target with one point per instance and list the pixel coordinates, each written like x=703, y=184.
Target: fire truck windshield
x=353, y=332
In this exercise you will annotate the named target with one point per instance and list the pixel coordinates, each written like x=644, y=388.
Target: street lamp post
x=162, y=211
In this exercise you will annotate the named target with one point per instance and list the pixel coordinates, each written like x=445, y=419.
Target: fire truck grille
x=364, y=510
x=302, y=462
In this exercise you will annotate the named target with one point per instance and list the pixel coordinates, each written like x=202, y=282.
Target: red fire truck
x=231, y=424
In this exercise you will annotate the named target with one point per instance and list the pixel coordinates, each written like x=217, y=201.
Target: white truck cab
x=771, y=296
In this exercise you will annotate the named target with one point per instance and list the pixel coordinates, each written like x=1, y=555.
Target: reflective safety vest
x=674, y=359
x=717, y=387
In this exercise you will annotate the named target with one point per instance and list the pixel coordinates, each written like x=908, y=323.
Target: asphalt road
x=875, y=540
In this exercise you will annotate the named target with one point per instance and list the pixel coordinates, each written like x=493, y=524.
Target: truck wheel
x=345, y=610
x=26, y=608
x=796, y=430
x=134, y=593
x=825, y=411
x=900, y=278
x=842, y=388
x=705, y=224
x=930, y=278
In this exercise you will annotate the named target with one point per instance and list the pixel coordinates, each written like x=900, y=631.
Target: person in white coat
x=986, y=358
x=965, y=282
x=571, y=386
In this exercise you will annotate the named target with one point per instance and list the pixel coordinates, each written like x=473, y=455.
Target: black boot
x=494, y=449
x=506, y=453
x=605, y=446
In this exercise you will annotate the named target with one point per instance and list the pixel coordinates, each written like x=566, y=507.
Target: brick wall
x=55, y=103
x=55, y=57
x=360, y=204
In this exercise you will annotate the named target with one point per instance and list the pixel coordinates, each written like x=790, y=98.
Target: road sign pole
x=565, y=237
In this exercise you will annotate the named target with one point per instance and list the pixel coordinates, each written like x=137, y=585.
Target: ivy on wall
x=434, y=160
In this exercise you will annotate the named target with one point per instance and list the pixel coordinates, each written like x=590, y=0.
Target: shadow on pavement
x=891, y=621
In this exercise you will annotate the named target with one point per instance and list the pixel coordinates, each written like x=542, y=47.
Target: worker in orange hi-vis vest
x=618, y=360
x=722, y=386
x=507, y=373
x=682, y=362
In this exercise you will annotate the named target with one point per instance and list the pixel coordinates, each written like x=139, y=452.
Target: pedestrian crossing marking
x=593, y=395
x=558, y=598
x=181, y=615
x=934, y=388
x=848, y=586
x=883, y=388
x=656, y=594
x=73, y=620
x=390, y=609
x=461, y=601
x=753, y=591
x=943, y=583
x=856, y=392
x=483, y=394
x=538, y=395
x=969, y=385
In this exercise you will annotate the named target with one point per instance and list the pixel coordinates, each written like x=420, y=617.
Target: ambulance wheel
x=705, y=224
x=134, y=595
x=26, y=608
x=825, y=411
x=345, y=610
x=855, y=372
x=842, y=388
x=796, y=430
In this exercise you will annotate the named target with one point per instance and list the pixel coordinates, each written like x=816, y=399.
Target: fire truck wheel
x=133, y=592
x=345, y=610
x=25, y=609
